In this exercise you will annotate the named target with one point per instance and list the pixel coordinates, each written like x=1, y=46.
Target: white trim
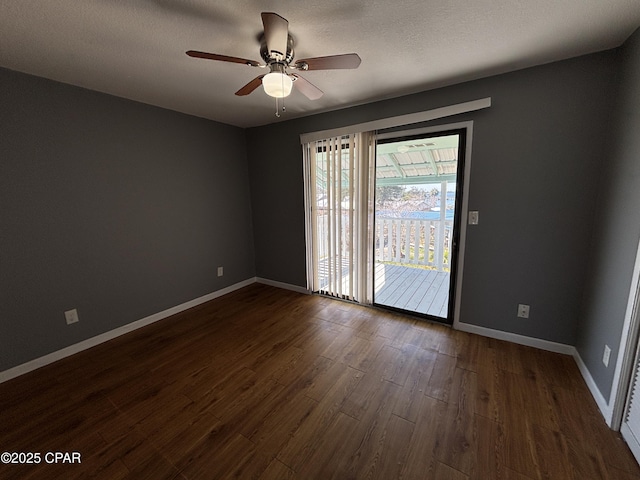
x=515, y=338
x=111, y=334
x=627, y=350
x=604, y=407
x=398, y=121
x=286, y=286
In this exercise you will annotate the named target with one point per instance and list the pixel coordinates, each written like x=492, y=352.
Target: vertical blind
x=339, y=180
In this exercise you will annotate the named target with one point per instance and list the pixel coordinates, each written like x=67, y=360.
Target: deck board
x=412, y=289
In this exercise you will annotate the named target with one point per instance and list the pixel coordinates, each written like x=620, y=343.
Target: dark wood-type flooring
x=265, y=383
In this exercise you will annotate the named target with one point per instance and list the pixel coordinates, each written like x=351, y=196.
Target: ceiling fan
x=276, y=49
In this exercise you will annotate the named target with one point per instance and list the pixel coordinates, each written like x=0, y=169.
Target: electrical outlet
x=523, y=311
x=606, y=355
x=220, y=271
x=71, y=316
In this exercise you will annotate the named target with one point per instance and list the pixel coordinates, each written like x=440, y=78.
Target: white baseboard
x=515, y=338
x=286, y=286
x=603, y=405
x=111, y=334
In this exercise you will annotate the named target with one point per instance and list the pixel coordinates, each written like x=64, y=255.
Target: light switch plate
x=473, y=217
x=606, y=355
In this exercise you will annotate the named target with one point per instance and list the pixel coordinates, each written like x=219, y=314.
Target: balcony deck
x=412, y=289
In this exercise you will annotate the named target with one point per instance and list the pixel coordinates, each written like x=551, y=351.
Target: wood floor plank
x=552, y=453
x=489, y=449
x=367, y=324
x=278, y=428
x=236, y=458
x=277, y=471
x=490, y=403
x=519, y=442
x=420, y=462
x=420, y=368
x=303, y=443
x=613, y=449
x=382, y=451
x=513, y=475
x=324, y=455
x=457, y=435
x=115, y=470
x=270, y=384
x=392, y=450
x=177, y=442
x=372, y=394
x=469, y=350
x=585, y=462
x=617, y=474
x=441, y=379
x=332, y=375
x=445, y=472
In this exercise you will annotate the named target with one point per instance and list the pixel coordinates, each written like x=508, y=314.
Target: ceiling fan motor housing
x=278, y=57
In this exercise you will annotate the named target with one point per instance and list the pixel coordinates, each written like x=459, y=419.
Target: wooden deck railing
x=413, y=241
x=400, y=240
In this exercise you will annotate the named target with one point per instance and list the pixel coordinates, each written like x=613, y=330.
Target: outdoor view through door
x=415, y=236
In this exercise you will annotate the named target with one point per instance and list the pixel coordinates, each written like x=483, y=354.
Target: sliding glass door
x=383, y=219
x=417, y=217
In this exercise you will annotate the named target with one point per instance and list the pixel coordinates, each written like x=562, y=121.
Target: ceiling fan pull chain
x=283, y=107
x=282, y=80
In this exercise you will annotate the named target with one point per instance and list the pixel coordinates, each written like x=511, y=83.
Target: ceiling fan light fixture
x=277, y=84
x=276, y=49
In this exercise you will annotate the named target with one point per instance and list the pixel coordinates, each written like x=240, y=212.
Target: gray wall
x=536, y=161
x=618, y=220
x=116, y=208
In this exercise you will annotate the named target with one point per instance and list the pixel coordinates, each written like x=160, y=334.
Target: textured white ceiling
x=135, y=48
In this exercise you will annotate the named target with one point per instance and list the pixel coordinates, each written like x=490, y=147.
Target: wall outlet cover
x=523, y=311
x=71, y=316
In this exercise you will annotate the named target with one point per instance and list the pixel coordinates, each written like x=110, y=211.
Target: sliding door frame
x=457, y=269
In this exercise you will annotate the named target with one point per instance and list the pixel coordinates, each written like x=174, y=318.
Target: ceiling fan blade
x=346, y=61
x=222, y=58
x=276, y=32
x=250, y=87
x=307, y=88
